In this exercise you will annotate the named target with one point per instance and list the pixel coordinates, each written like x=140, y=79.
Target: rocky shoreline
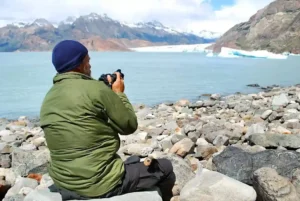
x=242, y=147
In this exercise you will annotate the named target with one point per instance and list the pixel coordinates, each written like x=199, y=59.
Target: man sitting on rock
x=81, y=118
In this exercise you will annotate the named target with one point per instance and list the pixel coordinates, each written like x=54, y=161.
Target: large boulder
x=240, y=165
x=272, y=187
x=46, y=195
x=276, y=140
x=209, y=185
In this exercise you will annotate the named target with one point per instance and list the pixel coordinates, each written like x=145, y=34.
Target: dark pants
x=138, y=177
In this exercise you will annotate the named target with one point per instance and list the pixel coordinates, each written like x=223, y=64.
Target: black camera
x=113, y=76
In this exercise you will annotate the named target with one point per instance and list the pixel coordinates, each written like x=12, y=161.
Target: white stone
x=201, y=142
x=38, y=141
x=5, y=133
x=210, y=185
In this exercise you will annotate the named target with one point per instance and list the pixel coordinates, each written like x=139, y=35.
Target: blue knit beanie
x=68, y=55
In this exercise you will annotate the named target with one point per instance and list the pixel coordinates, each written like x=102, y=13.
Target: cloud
x=182, y=14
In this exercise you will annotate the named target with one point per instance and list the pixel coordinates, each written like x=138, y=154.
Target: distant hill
x=275, y=28
x=98, y=32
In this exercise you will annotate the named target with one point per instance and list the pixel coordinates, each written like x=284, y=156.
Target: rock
x=137, y=149
x=171, y=126
x=183, y=147
x=5, y=148
x=45, y=182
x=241, y=165
x=24, y=161
x=46, y=195
x=9, y=138
x=272, y=187
x=155, y=131
x=183, y=103
x=275, y=116
x=5, y=133
x=211, y=185
x=189, y=128
x=283, y=130
x=21, y=183
x=254, y=129
x=166, y=144
x=266, y=114
x=251, y=149
x=17, y=197
x=274, y=140
x=211, y=136
x=176, y=138
x=253, y=85
x=208, y=103
x=201, y=142
x=293, y=124
x=205, y=152
x=28, y=147
x=221, y=140
x=39, y=141
x=292, y=106
x=181, y=168
x=280, y=101
x=5, y=161
x=296, y=181
x=215, y=96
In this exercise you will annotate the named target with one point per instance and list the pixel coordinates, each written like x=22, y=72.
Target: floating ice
x=233, y=53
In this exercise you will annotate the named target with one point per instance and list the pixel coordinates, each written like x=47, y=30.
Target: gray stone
x=205, y=152
x=28, y=147
x=5, y=148
x=221, y=140
x=9, y=138
x=293, y=124
x=194, y=136
x=5, y=161
x=189, y=128
x=266, y=114
x=280, y=101
x=296, y=181
x=254, y=129
x=272, y=187
x=176, y=138
x=25, y=161
x=156, y=131
x=171, y=126
x=17, y=197
x=215, y=96
x=183, y=147
x=270, y=140
x=137, y=149
x=201, y=142
x=209, y=103
x=166, y=144
x=240, y=165
x=5, y=133
x=275, y=116
x=181, y=168
x=20, y=183
x=248, y=148
x=210, y=185
x=46, y=195
x=293, y=106
x=211, y=136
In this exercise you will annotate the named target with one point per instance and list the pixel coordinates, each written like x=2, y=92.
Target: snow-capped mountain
x=44, y=34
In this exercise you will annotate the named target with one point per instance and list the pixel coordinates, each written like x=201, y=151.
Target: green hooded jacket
x=81, y=118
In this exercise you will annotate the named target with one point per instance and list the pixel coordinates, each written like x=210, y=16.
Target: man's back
x=81, y=118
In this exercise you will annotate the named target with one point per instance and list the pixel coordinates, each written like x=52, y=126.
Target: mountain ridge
x=93, y=29
x=274, y=28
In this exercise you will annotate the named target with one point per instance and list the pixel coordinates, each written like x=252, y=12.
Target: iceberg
x=234, y=53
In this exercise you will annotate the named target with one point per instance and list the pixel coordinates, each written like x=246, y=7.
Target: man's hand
x=118, y=86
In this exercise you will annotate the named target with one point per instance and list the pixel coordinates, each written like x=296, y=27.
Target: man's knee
x=165, y=166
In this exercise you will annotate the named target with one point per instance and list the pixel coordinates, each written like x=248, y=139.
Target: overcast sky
x=212, y=15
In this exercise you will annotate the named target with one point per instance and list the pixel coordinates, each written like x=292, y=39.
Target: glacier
x=174, y=48
x=234, y=53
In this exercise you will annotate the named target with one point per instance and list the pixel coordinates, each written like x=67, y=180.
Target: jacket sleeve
x=120, y=113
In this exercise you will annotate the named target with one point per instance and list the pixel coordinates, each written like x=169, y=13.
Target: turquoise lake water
x=150, y=78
